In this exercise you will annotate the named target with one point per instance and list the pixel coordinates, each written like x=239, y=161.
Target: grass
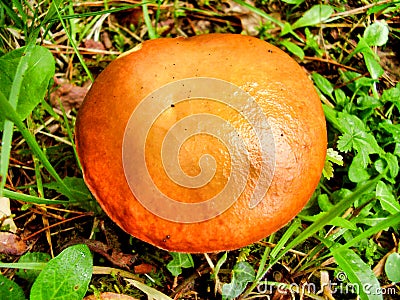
x=343, y=245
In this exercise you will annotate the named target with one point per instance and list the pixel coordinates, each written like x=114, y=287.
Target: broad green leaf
x=392, y=95
x=392, y=267
x=324, y=203
x=373, y=66
x=39, y=67
x=365, y=49
x=340, y=97
x=76, y=191
x=357, y=83
x=331, y=116
x=24, y=77
x=293, y=48
x=370, y=57
x=386, y=198
x=31, y=257
x=328, y=169
x=391, y=128
x=356, y=136
x=242, y=274
x=312, y=42
x=368, y=102
x=397, y=149
x=65, y=277
x=77, y=188
x=359, y=274
x=334, y=156
x=287, y=28
x=357, y=171
x=10, y=290
x=323, y=84
x=377, y=34
x=388, y=160
x=219, y=264
x=347, y=141
x=179, y=261
x=314, y=16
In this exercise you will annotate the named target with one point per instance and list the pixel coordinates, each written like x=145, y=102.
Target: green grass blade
x=12, y=14
x=9, y=112
x=336, y=210
x=363, y=280
x=264, y=258
x=37, y=165
x=12, y=102
x=151, y=30
x=33, y=199
x=286, y=236
x=80, y=57
x=70, y=136
x=388, y=222
x=27, y=266
x=5, y=152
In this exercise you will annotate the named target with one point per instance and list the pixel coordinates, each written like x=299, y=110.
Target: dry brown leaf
x=70, y=95
x=250, y=21
x=144, y=268
x=109, y=296
x=12, y=244
x=115, y=256
x=92, y=44
x=105, y=38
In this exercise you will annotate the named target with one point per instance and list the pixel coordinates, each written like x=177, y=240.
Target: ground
x=350, y=49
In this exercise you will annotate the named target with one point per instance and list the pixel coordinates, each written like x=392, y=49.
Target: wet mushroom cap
x=108, y=134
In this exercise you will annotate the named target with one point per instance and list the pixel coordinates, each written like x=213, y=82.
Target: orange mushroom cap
x=202, y=144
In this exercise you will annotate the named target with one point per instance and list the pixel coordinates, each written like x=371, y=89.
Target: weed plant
x=343, y=245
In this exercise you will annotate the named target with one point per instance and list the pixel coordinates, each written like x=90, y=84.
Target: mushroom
x=202, y=144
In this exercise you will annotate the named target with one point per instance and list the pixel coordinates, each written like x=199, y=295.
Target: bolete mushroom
x=202, y=144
